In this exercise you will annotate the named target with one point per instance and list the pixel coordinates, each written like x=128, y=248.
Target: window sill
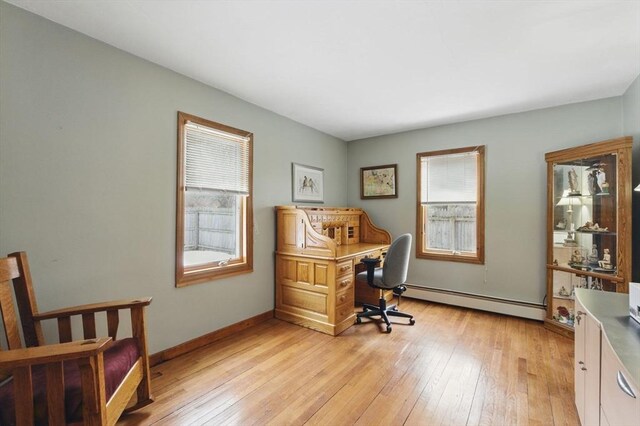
x=206, y=275
x=476, y=259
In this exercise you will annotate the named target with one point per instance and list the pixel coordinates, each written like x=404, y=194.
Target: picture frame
x=378, y=182
x=307, y=183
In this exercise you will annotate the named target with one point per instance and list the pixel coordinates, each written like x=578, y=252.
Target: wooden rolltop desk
x=318, y=254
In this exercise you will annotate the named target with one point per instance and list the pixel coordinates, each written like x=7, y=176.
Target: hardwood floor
x=454, y=366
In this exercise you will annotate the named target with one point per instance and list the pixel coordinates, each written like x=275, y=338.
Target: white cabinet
x=587, y=367
x=607, y=360
x=620, y=396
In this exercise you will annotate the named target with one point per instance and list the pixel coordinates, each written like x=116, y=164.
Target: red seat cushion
x=118, y=360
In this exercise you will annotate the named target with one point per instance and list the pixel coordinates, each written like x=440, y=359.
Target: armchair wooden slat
x=110, y=375
x=113, y=320
x=64, y=330
x=89, y=326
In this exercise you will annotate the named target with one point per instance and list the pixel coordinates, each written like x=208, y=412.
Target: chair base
x=384, y=312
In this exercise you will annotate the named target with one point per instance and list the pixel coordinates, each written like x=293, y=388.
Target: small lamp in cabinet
x=570, y=201
x=567, y=200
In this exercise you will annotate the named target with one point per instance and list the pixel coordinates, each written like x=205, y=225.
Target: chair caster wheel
x=358, y=320
x=388, y=329
x=412, y=321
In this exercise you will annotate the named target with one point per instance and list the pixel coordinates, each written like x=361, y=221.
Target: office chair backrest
x=396, y=262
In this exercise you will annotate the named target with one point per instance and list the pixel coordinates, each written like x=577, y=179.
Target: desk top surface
x=611, y=310
x=351, y=250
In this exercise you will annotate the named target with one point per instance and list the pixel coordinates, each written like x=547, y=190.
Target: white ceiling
x=355, y=69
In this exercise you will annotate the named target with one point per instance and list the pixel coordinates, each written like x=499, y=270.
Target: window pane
x=212, y=222
x=451, y=227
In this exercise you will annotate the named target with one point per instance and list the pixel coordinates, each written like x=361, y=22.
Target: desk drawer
x=344, y=297
x=344, y=268
x=344, y=283
x=346, y=309
x=373, y=254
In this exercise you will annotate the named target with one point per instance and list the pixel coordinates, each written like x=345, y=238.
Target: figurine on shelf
x=563, y=314
x=592, y=227
x=602, y=179
x=592, y=182
x=596, y=284
x=563, y=292
x=570, y=241
x=555, y=262
x=576, y=257
x=593, y=257
x=573, y=182
x=605, y=263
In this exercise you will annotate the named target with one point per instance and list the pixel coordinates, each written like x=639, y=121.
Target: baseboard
x=475, y=301
x=208, y=338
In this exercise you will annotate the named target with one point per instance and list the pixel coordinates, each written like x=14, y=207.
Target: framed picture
x=379, y=182
x=307, y=183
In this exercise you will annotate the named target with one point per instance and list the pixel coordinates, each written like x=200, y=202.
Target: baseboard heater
x=498, y=305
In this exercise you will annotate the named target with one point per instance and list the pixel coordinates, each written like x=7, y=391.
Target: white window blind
x=216, y=160
x=450, y=178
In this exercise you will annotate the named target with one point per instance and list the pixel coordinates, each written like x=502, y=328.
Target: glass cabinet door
x=584, y=230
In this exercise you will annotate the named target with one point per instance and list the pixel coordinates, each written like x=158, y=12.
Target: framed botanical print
x=379, y=182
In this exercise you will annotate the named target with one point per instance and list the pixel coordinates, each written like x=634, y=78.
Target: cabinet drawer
x=344, y=283
x=344, y=297
x=619, y=406
x=345, y=310
x=344, y=268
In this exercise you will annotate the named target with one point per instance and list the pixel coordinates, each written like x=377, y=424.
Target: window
x=214, y=212
x=451, y=205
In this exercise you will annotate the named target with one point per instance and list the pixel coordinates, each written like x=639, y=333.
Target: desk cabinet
x=318, y=253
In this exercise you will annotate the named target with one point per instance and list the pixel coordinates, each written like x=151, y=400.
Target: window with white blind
x=451, y=205
x=214, y=209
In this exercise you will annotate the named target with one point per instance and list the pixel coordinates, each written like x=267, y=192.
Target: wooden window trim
x=210, y=272
x=478, y=257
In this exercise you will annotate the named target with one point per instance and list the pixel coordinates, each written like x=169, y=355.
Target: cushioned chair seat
x=118, y=360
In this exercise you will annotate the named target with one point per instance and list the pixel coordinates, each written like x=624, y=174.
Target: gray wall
x=515, y=191
x=88, y=176
x=631, y=124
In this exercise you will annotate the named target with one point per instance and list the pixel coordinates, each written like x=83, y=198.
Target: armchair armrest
x=371, y=266
x=93, y=308
x=52, y=353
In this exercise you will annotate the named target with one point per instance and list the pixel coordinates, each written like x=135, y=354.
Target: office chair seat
x=391, y=276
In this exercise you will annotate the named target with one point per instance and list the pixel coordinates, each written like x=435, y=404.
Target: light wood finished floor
x=455, y=366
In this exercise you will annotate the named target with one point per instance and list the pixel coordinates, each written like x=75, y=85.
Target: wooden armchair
x=91, y=381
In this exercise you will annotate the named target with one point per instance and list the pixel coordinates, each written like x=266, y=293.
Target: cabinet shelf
x=603, y=276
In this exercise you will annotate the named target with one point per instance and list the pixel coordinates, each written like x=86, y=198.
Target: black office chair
x=391, y=276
